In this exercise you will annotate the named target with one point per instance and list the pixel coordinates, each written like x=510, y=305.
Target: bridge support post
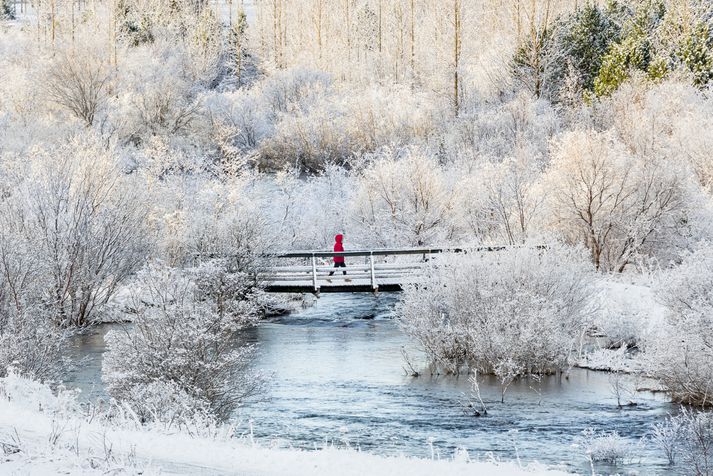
x=374, y=284
x=314, y=275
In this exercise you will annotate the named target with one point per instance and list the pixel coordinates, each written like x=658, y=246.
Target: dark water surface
x=339, y=378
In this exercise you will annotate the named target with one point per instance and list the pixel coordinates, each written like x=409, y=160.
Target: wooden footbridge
x=373, y=271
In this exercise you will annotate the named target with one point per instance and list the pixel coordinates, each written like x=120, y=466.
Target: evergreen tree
x=584, y=38
x=133, y=25
x=237, y=44
x=7, y=10
x=634, y=51
x=697, y=54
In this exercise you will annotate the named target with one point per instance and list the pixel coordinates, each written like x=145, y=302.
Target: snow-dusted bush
x=78, y=83
x=626, y=312
x=604, y=447
x=306, y=212
x=687, y=441
x=338, y=126
x=32, y=345
x=157, y=93
x=181, y=355
x=205, y=217
x=511, y=313
x=164, y=403
x=519, y=126
x=29, y=340
x=680, y=354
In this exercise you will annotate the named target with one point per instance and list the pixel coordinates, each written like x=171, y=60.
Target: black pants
x=339, y=265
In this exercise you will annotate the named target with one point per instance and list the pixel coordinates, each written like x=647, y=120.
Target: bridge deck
x=337, y=285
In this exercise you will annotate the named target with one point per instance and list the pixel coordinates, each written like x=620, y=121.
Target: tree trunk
x=456, y=55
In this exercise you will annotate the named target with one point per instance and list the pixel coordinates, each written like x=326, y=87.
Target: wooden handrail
x=388, y=252
x=377, y=252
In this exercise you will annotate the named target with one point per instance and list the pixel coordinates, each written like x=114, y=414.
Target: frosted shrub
x=165, y=403
x=510, y=313
x=680, y=354
x=180, y=343
x=32, y=345
x=604, y=447
x=336, y=127
x=212, y=218
x=307, y=213
x=79, y=84
x=158, y=96
x=687, y=441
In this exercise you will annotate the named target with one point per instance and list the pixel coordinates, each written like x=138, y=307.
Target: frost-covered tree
x=79, y=84
x=404, y=198
x=534, y=59
x=510, y=313
x=608, y=200
x=86, y=224
x=680, y=354
x=499, y=202
x=182, y=350
x=30, y=343
x=7, y=10
x=580, y=41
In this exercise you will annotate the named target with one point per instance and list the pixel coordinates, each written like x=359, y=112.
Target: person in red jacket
x=338, y=260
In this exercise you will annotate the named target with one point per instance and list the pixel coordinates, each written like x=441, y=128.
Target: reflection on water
x=339, y=378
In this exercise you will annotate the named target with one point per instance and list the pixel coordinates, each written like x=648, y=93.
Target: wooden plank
x=288, y=277
x=333, y=288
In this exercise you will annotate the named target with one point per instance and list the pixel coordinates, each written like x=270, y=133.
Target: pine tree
x=697, y=55
x=7, y=10
x=237, y=43
x=584, y=40
x=635, y=50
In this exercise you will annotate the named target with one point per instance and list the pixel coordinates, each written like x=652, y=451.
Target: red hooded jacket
x=338, y=247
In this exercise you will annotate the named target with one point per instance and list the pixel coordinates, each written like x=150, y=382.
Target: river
x=339, y=379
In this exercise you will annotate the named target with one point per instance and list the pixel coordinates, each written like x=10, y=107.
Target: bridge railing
x=373, y=271
x=381, y=252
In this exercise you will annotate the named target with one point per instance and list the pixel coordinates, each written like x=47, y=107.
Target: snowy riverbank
x=43, y=433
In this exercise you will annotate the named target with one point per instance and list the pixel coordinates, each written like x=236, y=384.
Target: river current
x=339, y=378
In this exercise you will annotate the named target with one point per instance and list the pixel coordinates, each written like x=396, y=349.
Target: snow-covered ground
x=42, y=433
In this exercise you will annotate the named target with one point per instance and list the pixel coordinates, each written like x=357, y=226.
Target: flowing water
x=339, y=379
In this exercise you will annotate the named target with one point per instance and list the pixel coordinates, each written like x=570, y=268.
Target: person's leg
x=336, y=265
